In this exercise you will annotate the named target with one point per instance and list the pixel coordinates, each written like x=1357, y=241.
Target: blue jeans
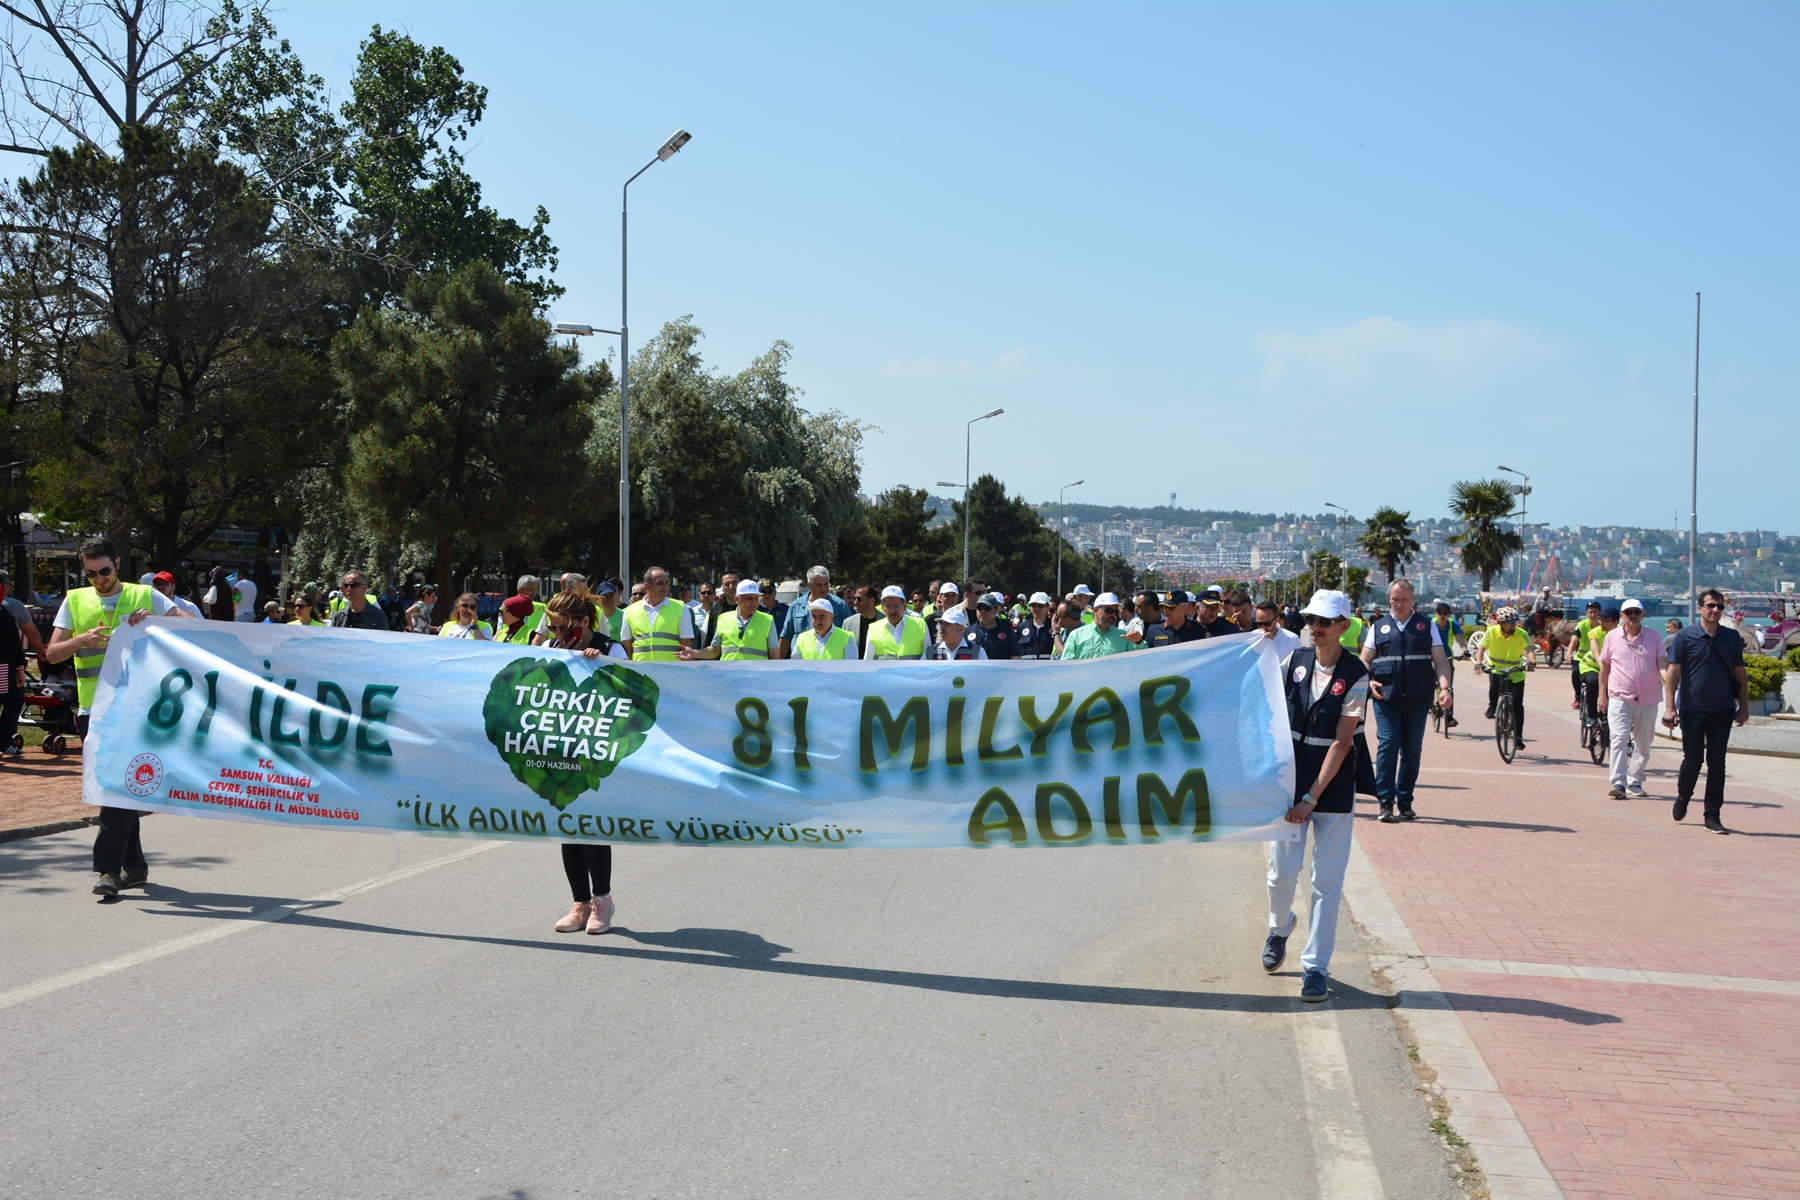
x=1402, y=732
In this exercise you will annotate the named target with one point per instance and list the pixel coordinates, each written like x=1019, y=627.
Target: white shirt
x=1284, y=643
x=246, y=602
x=159, y=606
x=185, y=605
x=1387, y=621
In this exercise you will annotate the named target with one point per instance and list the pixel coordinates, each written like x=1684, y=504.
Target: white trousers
x=1633, y=726
x=1330, y=858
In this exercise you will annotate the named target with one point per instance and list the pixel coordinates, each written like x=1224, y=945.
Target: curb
x=1503, y=1149
x=31, y=831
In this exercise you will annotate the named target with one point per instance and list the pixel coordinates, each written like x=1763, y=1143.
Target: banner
x=400, y=733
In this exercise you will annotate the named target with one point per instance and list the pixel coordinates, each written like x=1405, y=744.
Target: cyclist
x=1450, y=631
x=1583, y=627
x=1587, y=663
x=1506, y=655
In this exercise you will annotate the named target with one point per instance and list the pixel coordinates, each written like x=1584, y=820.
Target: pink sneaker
x=600, y=919
x=578, y=917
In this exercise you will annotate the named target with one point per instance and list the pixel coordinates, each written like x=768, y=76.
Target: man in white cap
x=1326, y=690
x=749, y=633
x=1037, y=634
x=1101, y=638
x=954, y=643
x=948, y=596
x=1631, y=665
x=1083, y=597
x=824, y=640
x=900, y=633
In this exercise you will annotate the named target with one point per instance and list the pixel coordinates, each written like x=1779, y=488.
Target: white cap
x=1630, y=604
x=1040, y=598
x=892, y=592
x=953, y=616
x=749, y=587
x=947, y=586
x=1081, y=589
x=820, y=605
x=1328, y=604
x=1104, y=599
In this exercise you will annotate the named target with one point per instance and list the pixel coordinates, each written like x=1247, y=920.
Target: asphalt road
x=346, y=1015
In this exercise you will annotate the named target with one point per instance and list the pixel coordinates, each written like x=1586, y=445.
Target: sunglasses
x=302, y=604
x=102, y=573
x=1710, y=605
x=1322, y=622
x=562, y=626
x=465, y=608
x=357, y=583
x=1265, y=624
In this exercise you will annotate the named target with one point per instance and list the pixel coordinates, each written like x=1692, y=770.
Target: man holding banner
x=1326, y=690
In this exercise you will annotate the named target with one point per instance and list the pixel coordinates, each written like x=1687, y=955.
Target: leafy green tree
x=895, y=539
x=1009, y=545
x=1481, y=504
x=166, y=388
x=1326, y=570
x=1389, y=540
x=1356, y=584
x=464, y=416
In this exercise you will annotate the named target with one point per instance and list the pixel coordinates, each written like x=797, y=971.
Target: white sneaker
x=578, y=917
x=600, y=917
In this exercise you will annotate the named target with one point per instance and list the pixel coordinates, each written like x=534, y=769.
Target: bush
x=1793, y=659
x=1765, y=675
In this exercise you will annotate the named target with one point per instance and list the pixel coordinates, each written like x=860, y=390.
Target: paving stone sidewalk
x=1633, y=984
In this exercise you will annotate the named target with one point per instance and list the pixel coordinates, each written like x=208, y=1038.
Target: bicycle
x=1442, y=720
x=1506, y=723
x=1596, y=737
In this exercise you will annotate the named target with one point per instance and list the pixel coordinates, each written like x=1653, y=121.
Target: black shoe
x=1387, y=816
x=1714, y=825
x=1519, y=741
x=138, y=878
x=1681, y=804
x=1450, y=722
x=1489, y=714
x=106, y=885
x=1274, y=952
x=1407, y=813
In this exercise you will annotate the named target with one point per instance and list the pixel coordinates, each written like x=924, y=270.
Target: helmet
x=1507, y=616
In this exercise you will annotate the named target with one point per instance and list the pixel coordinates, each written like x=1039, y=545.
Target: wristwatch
x=1308, y=799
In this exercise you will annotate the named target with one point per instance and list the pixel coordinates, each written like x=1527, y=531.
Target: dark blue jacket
x=1402, y=663
x=1314, y=727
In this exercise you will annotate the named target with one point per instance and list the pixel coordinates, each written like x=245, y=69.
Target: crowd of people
x=1337, y=665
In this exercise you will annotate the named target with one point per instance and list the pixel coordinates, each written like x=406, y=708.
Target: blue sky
x=1258, y=256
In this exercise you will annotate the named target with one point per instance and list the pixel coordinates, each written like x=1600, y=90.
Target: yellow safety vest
x=519, y=634
x=836, y=645
x=1587, y=654
x=445, y=629
x=1352, y=639
x=86, y=611
x=615, y=624
x=655, y=639
x=739, y=639
x=1506, y=653
x=910, y=645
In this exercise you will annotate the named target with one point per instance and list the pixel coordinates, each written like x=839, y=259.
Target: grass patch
x=1451, y=1138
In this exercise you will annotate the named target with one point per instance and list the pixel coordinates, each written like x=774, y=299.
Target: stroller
x=50, y=705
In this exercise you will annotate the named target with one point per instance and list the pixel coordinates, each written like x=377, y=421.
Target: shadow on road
x=1521, y=826
x=1520, y=1006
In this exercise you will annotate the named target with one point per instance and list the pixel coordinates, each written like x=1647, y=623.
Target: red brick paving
x=1627, y=1089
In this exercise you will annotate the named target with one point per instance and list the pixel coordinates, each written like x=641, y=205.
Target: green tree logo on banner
x=561, y=738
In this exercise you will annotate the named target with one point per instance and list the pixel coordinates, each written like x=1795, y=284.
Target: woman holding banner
x=573, y=621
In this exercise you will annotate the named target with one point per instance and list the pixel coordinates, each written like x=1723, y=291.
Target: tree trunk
x=446, y=598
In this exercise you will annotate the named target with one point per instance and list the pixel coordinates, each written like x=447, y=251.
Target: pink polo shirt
x=1633, y=673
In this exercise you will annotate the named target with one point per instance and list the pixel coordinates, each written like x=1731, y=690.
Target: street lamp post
x=1694, y=484
x=1103, y=522
x=1059, y=534
x=669, y=149
x=1524, y=491
x=968, y=451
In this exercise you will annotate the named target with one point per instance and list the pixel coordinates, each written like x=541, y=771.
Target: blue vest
x=1314, y=727
x=1402, y=663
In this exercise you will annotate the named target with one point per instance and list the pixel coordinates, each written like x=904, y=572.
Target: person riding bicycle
x=1583, y=628
x=1450, y=630
x=1506, y=654
x=1587, y=663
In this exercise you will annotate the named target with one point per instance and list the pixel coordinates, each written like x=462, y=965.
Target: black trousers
x=1704, y=735
x=1587, y=690
x=117, y=847
x=589, y=869
x=1498, y=684
x=11, y=704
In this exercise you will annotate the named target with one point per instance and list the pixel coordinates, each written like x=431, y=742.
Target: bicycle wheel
x=1506, y=737
x=1600, y=743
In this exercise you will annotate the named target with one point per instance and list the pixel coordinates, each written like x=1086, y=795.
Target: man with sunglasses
x=1326, y=691
x=357, y=612
x=1705, y=690
x=1103, y=637
x=82, y=628
x=1275, y=635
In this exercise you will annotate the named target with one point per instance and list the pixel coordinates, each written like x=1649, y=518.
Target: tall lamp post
x=1524, y=491
x=1103, y=522
x=1059, y=534
x=669, y=149
x=1694, y=485
x=968, y=450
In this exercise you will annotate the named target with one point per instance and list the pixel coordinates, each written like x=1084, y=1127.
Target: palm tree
x=1389, y=540
x=1480, y=504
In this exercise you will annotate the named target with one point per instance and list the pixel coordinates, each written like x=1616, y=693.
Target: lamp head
x=670, y=148
x=576, y=330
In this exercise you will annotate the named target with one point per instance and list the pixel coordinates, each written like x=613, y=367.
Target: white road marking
x=1729, y=983
x=228, y=928
x=1342, y=1157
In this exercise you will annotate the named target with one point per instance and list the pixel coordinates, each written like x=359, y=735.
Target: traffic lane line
x=229, y=926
